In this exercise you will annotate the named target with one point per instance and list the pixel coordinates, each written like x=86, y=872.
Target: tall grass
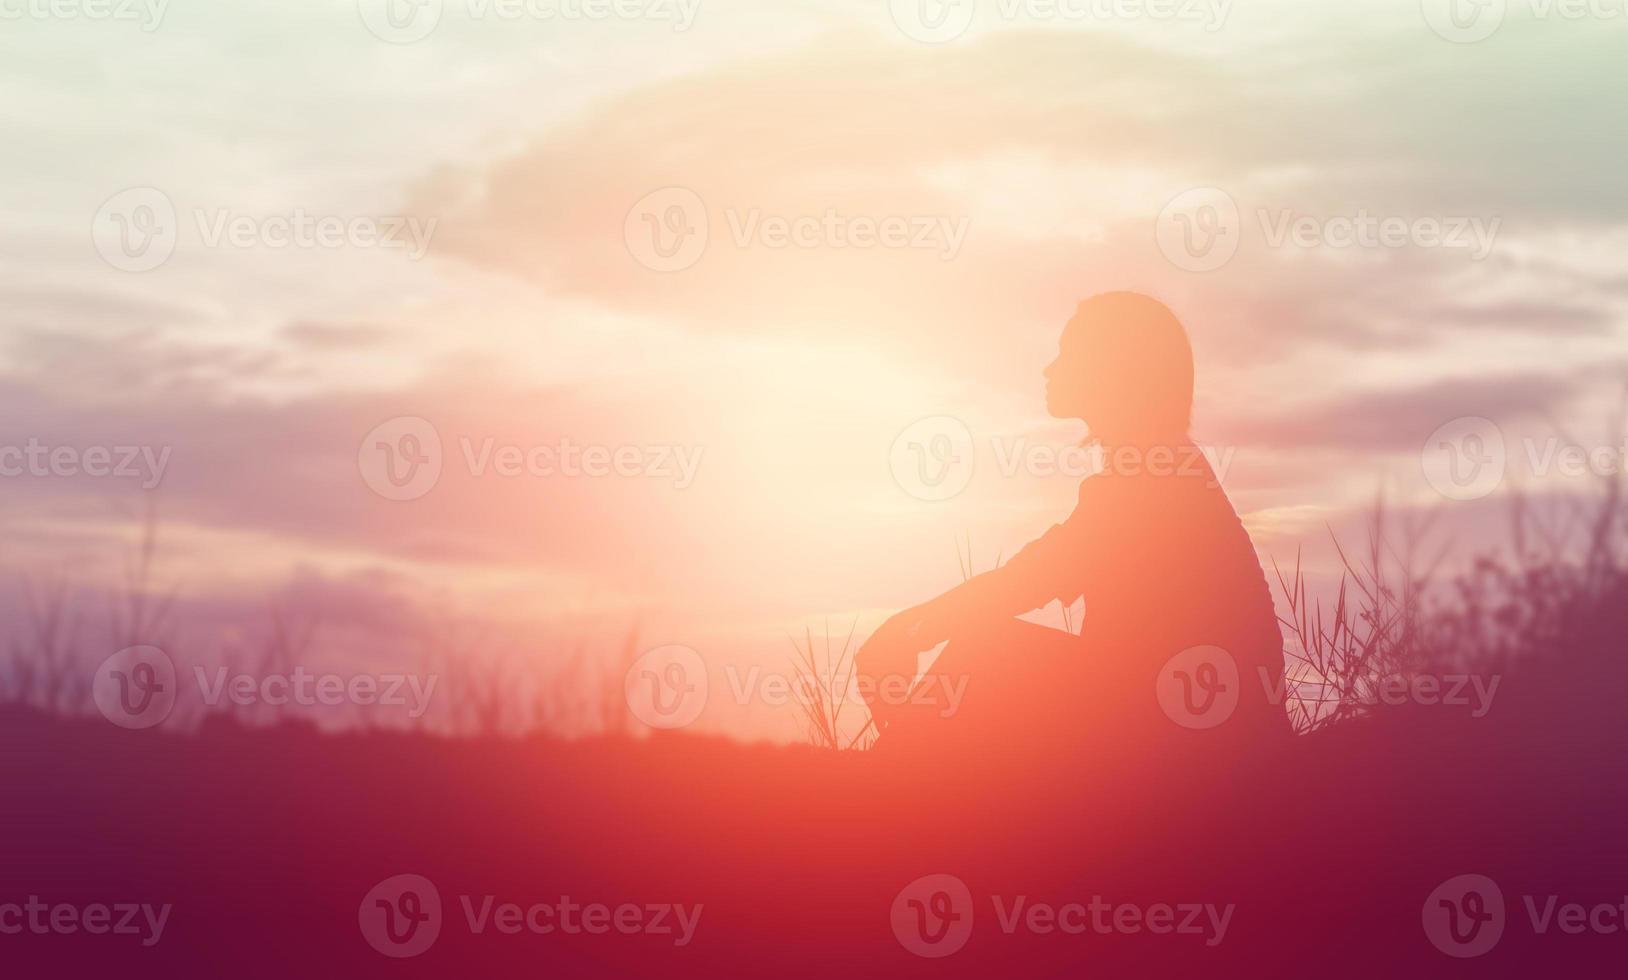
x=1549, y=603
x=1338, y=654
x=824, y=684
x=1536, y=604
x=48, y=662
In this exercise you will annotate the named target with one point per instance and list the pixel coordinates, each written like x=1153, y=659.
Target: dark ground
x=266, y=840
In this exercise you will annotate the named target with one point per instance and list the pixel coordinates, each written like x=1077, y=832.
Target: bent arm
x=1028, y=581
x=998, y=594
x=1033, y=577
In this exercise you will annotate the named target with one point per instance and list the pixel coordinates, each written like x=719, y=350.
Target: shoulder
x=1107, y=489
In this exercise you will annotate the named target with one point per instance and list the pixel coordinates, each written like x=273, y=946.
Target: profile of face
x=1124, y=367
x=1068, y=379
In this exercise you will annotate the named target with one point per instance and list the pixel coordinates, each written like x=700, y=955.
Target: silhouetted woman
x=1179, y=632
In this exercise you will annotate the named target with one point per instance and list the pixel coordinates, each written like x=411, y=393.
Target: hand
x=886, y=664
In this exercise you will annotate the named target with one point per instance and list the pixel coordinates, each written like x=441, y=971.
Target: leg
x=1007, y=678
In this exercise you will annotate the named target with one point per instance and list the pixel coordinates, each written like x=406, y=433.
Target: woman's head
x=1125, y=367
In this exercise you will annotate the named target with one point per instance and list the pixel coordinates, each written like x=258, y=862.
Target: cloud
x=321, y=336
x=1400, y=419
x=1085, y=134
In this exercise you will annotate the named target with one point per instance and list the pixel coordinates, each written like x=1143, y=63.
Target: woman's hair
x=1138, y=366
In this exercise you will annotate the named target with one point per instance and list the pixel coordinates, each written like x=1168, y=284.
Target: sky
x=530, y=332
